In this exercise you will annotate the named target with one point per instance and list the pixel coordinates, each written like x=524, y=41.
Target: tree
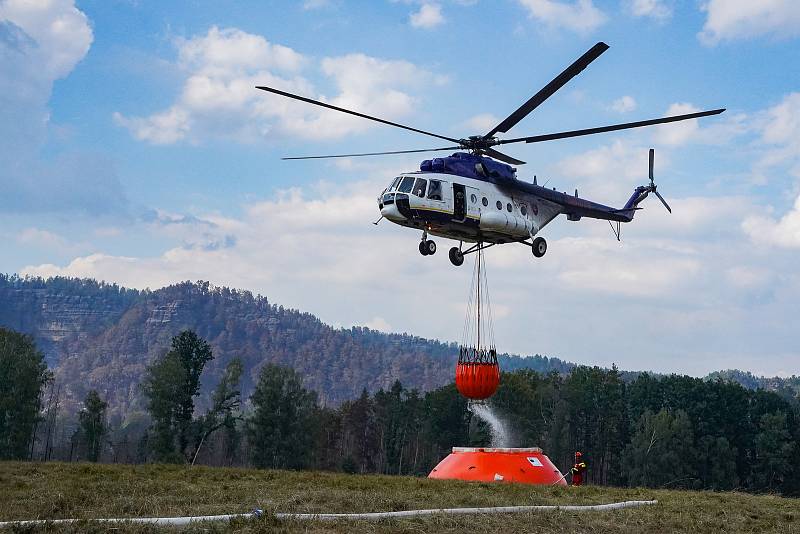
x=170, y=385
x=225, y=401
x=597, y=418
x=774, y=451
x=93, y=426
x=162, y=387
x=193, y=353
x=661, y=450
x=360, y=441
x=23, y=374
x=279, y=427
x=716, y=463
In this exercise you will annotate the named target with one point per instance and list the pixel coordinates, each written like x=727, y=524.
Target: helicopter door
x=459, y=202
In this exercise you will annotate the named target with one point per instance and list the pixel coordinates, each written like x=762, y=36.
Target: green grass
x=55, y=490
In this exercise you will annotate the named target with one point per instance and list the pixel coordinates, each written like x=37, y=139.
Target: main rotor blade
x=663, y=201
x=502, y=157
x=652, y=157
x=357, y=114
x=376, y=153
x=547, y=91
x=613, y=128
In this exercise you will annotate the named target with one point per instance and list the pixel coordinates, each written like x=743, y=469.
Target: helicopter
x=473, y=196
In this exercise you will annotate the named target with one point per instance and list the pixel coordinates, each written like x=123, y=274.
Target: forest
x=101, y=336
x=655, y=431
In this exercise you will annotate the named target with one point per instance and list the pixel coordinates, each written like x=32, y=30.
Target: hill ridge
x=102, y=335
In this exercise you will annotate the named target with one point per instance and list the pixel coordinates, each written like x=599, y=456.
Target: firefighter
x=578, y=470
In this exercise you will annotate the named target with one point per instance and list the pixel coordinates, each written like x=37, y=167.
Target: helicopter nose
x=389, y=208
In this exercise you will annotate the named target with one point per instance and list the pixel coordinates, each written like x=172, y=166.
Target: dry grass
x=53, y=491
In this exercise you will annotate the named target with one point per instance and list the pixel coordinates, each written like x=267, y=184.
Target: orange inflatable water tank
x=485, y=464
x=477, y=380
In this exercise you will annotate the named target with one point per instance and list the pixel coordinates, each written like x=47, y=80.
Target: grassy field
x=53, y=491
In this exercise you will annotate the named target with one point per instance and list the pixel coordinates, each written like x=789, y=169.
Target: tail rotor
x=652, y=187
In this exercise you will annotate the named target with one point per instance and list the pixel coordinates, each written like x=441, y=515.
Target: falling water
x=500, y=434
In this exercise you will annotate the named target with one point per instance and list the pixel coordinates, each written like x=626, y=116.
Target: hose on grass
x=369, y=516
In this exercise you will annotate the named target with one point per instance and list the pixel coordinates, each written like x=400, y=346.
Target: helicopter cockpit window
x=485, y=201
x=406, y=184
x=419, y=187
x=499, y=205
x=435, y=190
x=523, y=210
x=394, y=184
x=508, y=207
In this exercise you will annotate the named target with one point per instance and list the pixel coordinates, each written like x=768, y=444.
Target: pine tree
x=23, y=374
x=661, y=452
x=93, y=426
x=279, y=429
x=774, y=452
x=170, y=386
x=162, y=388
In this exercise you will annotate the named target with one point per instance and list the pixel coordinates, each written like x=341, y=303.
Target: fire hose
x=369, y=516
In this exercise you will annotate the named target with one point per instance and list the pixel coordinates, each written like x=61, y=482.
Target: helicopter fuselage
x=465, y=209
x=484, y=205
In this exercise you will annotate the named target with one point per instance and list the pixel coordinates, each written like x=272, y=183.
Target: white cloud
x=728, y=20
x=607, y=172
x=783, y=125
x=428, y=16
x=162, y=128
x=677, y=133
x=778, y=146
x=480, y=123
x=780, y=128
x=219, y=98
x=230, y=50
x=745, y=277
x=41, y=42
x=378, y=323
x=61, y=33
x=602, y=265
x=40, y=237
x=783, y=232
x=655, y=9
x=580, y=16
x=624, y=104
x=695, y=217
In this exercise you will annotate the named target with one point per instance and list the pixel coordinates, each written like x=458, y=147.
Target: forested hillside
x=101, y=336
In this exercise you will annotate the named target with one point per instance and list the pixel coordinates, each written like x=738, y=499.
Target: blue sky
x=136, y=151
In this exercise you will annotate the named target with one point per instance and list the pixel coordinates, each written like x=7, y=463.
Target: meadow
x=80, y=490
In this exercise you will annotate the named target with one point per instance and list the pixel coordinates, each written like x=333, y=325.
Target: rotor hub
x=477, y=143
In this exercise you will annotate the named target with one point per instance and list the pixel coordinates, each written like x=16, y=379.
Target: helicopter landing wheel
x=456, y=256
x=539, y=247
x=427, y=248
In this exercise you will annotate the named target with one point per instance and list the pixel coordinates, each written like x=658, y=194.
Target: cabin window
x=435, y=190
x=419, y=187
x=485, y=201
x=499, y=205
x=406, y=184
x=473, y=199
x=394, y=184
x=509, y=207
x=523, y=210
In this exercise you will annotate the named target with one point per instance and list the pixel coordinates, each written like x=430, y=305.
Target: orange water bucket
x=486, y=464
x=477, y=380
